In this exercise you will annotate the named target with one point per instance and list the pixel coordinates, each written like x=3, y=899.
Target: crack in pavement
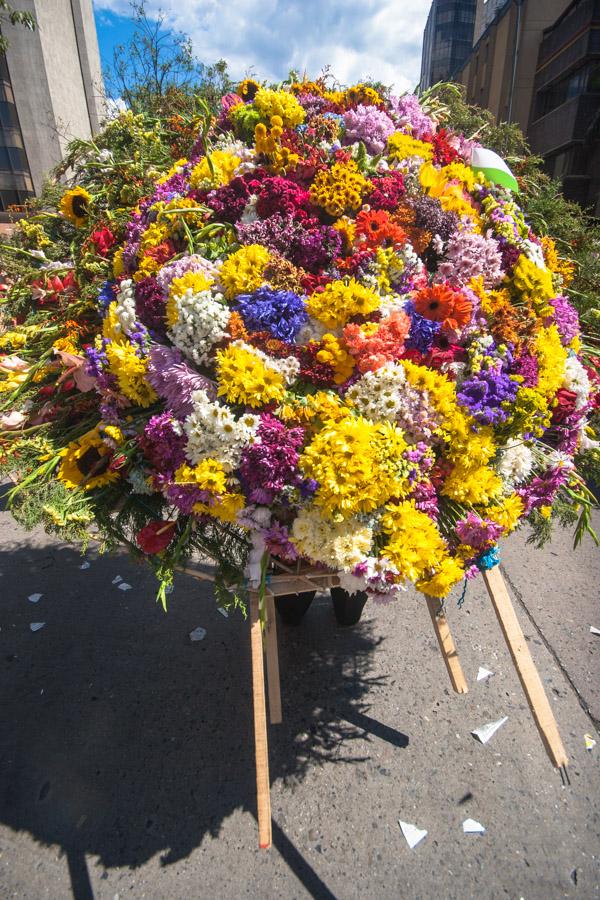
x=582, y=702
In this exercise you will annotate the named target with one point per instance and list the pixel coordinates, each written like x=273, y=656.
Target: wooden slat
x=272, y=658
x=446, y=643
x=261, y=747
x=525, y=666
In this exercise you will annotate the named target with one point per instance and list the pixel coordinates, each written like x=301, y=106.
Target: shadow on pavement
x=121, y=739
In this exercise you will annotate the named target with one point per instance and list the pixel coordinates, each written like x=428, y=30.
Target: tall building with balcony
x=50, y=92
x=447, y=39
x=564, y=125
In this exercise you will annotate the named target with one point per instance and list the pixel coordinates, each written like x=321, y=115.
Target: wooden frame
x=265, y=652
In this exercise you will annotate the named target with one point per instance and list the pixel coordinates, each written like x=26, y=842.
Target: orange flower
x=237, y=329
x=376, y=228
x=441, y=304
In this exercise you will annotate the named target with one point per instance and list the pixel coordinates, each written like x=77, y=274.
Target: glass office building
x=447, y=39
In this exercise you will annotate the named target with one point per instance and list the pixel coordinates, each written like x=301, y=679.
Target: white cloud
x=357, y=38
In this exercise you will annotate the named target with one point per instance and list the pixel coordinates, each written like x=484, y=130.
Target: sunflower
x=441, y=304
x=248, y=89
x=85, y=463
x=74, y=205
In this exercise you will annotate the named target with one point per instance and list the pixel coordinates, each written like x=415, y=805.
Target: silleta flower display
x=328, y=338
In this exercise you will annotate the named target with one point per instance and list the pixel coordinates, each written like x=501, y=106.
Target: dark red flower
x=103, y=239
x=155, y=536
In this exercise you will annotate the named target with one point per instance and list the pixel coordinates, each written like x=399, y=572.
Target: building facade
x=500, y=71
x=50, y=92
x=564, y=125
x=447, y=39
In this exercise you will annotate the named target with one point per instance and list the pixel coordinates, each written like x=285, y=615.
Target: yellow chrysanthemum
x=551, y=356
x=439, y=585
x=533, y=284
x=340, y=189
x=340, y=301
x=470, y=484
x=414, y=546
x=243, y=377
x=279, y=103
x=243, y=271
x=130, y=370
x=85, y=463
x=118, y=265
x=215, y=170
x=74, y=205
x=208, y=475
x=403, y=146
x=508, y=513
x=333, y=353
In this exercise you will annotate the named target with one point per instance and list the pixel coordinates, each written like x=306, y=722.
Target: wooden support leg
x=272, y=657
x=261, y=748
x=442, y=631
x=525, y=666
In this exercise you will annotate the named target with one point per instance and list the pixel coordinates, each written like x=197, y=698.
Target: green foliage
x=12, y=16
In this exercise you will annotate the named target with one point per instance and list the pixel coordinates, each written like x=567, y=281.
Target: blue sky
x=357, y=38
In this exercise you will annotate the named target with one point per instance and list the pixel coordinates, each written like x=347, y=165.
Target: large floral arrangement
x=325, y=338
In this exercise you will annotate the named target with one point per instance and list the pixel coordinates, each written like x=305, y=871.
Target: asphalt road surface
x=126, y=750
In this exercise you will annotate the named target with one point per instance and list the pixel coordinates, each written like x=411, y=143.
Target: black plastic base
x=292, y=607
x=348, y=607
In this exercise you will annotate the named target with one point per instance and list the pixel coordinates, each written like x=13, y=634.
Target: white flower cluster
x=378, y=395
x=125, y=306
x=515, y=462
x=576, y=380
x=202, y=320
x=214, y=432
x=340, y=545
x=373, y=575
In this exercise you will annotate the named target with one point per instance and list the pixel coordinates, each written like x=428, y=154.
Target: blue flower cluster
x=283, y=313
x=488, y=395
x=422, y=330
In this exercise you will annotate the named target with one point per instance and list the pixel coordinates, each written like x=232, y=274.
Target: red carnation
x=155, y=536
x=103, y=239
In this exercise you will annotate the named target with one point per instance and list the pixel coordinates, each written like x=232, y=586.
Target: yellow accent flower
x=333, y=353
x=403, y=146
x=361, y=93
x=534, y=285
x=66, y=345
x=340, y=301
x=118, y=265
x=215, y=170
x=552, y=357
x=508, y=513
x=14, y=339
x=85, y=463
x=248, y=89
x=243, y=377
x=340, y=188
x=148, y=266
x=268, y=143
x=74, y=205
x=174, y=170
x=208, y=475
x=153, y=236
x=415, y=546
x=243, y=271
x=449, y=573
x=279, y=103
x=130, y=370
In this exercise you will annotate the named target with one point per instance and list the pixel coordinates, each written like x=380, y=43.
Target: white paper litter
x=223, y=611
x=590, y=743
x=117, y=579
x=485, y=732
x=594, y=630
x=85, y=565
x=35, y=626
x=412, y=834
x=470, y=826
x=35, y=598
x=198, y=634
x=483, y=673
x=124, y=586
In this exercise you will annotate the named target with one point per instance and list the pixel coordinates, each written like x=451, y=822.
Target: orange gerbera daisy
x=441, y=304
x=376, y=228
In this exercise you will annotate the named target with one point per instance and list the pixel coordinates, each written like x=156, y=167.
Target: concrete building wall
x=56, y=80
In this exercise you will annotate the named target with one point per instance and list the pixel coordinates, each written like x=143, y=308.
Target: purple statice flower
x=510, y=254
x=107, y=294
x=313, y=104
x=566, y=319
x=409, y=116
x=175, y=381
x=470, y=255
x=422, y=330
x=177, y=185
x=277, y=541
x=133, y=234
x=270, y=464
x=542, y=489
x=478, y=532
x=283, y=313
x=150, y=304
x=370, y=125
x=425, y=496
x=430, y=216
x=184, y=496
x=180, y=267
x=527, y=367
x=308, y=487
x=307, y=244
x=163, y=443
x=485, y=392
